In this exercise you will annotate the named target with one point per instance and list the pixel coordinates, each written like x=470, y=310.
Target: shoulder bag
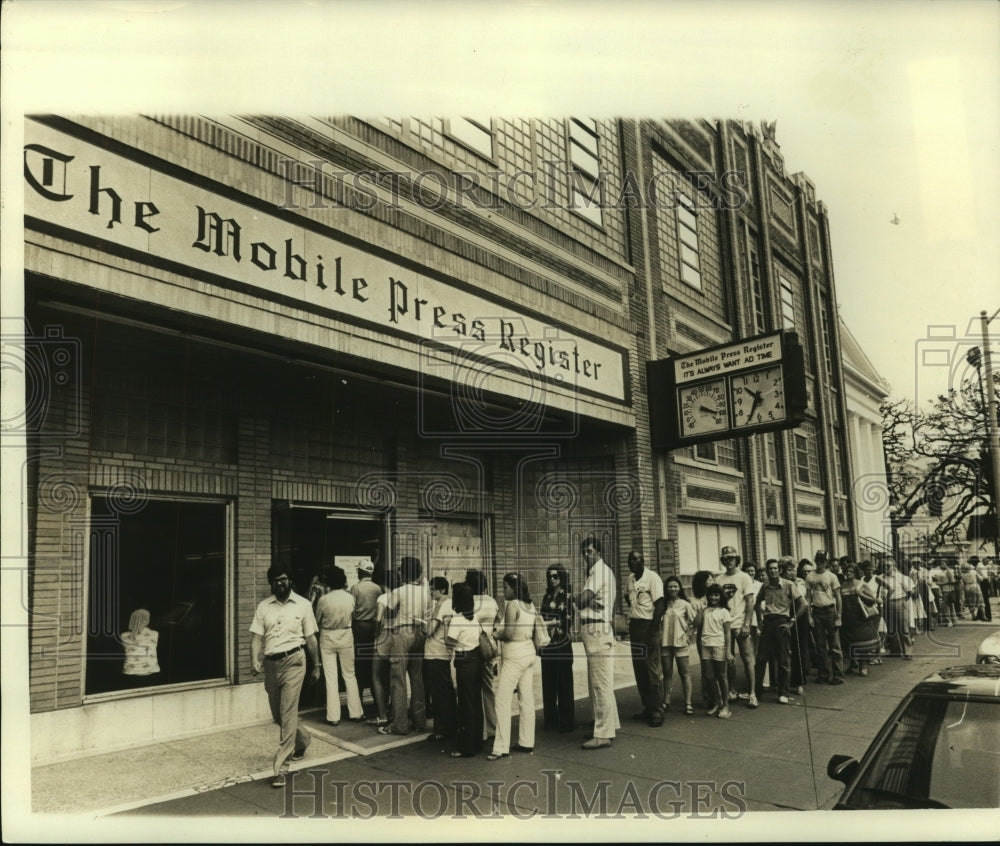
x=487, y=645
x=540, y=633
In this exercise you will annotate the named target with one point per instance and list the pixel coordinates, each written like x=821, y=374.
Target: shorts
x=675, y=651
x=713, y=653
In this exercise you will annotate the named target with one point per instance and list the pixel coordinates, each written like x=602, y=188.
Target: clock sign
x=732, y=390
x=758, y=397
x=704, y=408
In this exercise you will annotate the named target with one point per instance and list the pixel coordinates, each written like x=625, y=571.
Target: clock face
x=758, y=397
x=703, y=408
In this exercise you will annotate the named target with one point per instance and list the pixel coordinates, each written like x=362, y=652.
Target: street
x=694, y=767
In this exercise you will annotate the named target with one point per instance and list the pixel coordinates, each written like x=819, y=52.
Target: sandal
x=688, y=709
x=462, y=755
x=494, y=757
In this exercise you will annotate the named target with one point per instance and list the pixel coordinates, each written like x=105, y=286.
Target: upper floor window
x=585, y=174
x=806, y=456
x=838, y=463
x=687, y=231
x=722, y=453
x=824, y=329
x=474, y=133
x=772, y=469
x=757, y=287
x=787, y=302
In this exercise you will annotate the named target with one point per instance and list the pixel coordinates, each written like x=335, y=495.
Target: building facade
x=318, y=340
x=865, y=391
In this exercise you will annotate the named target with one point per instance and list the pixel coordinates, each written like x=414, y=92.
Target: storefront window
x=166, y=558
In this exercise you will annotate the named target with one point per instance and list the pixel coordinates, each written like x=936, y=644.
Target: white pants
x=517, y=669
x=599, y=644
x=333, y=645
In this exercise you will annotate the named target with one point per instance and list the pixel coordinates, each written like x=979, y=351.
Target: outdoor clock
x=703, y=408
x=758, y=397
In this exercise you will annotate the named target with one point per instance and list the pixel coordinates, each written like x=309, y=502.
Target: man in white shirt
x=741, y=592
x=596, y=604
x=823, y=595
x=282, y=625
x=644, y=595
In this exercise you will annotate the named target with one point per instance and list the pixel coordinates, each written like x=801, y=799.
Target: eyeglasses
x=280, y=579
x=553, y=575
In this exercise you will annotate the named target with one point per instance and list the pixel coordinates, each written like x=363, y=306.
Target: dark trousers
x=775, y=645
x=364, y=652
x=469, y=680
x=829, y=655
x=800, y=652
x=557, y=686
x=441, y=695
x=646, y=665
x=984, y=586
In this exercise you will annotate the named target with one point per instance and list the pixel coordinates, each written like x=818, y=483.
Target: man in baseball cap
x=366, y=594
x=741, y=591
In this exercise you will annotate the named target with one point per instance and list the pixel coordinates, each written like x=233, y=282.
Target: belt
x=279, y=655
x=462, y=653
x=595, y=622
x=772, y=617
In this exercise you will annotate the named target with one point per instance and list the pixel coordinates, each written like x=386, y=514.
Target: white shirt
x=600, y=582
x=737, y=588
x=642, y=594
x=283, y=625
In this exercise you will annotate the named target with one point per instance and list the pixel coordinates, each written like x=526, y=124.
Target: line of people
x=463, y=657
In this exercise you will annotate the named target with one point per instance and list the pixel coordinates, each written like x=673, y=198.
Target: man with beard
x=282, y=625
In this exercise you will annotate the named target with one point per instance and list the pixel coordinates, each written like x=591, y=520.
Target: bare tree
x=936, y=460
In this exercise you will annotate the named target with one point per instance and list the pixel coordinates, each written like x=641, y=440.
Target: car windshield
x=941, y=753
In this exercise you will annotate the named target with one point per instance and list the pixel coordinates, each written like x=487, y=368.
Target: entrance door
x=309, y=537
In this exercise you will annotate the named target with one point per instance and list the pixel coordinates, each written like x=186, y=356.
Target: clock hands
x=757, y=400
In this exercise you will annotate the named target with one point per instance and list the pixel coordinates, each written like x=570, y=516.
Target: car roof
x=970, y=680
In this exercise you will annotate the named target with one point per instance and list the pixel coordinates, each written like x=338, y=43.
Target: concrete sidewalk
x=782, y=762
x=117, y=781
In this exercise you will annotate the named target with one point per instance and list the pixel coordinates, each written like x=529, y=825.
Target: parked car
x=939, y=749
x=989, y=650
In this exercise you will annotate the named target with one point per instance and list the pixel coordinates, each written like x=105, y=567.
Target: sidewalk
x=118, y=781
x=778, y=768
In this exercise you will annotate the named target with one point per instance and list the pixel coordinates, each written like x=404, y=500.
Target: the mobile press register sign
x=754, y=385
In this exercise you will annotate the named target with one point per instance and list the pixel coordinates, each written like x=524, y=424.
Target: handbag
x=487, y=645
x=540, y=633
x=868, y=610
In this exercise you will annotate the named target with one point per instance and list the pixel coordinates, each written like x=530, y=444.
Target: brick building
x=328, y=339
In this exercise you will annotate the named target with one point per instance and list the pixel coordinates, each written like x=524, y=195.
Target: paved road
x=769, y=759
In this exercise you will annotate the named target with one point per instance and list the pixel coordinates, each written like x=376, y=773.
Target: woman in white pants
x=517, y=669
x=334, y=612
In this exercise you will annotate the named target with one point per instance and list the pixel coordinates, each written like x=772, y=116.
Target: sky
x=891, y=108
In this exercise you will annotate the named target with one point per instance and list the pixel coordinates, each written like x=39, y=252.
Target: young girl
x=678, y=623
x=699, y=584
x=713, y=623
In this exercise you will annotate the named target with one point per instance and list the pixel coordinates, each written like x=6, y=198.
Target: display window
x=157, y=592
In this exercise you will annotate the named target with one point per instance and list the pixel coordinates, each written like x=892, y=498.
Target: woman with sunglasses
x=557, y=657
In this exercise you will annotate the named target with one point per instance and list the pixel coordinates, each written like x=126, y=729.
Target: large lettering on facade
x=88, y=189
